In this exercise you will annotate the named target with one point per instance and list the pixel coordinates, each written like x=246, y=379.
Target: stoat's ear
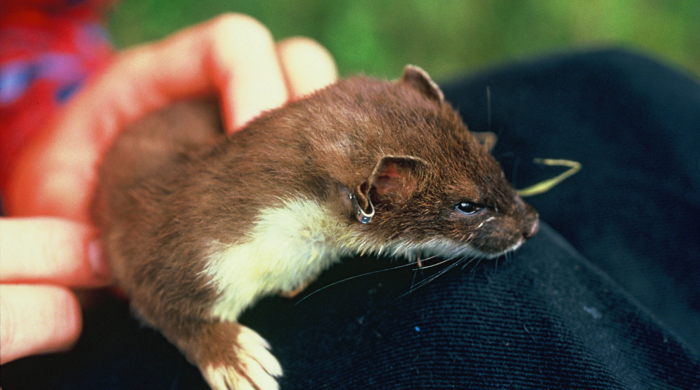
x=394, y=178
x=487, y=139
x=419, y=80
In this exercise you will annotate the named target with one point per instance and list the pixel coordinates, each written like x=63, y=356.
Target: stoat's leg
x=230, y=356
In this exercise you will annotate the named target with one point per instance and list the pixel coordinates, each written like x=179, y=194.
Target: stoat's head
x=433, y=188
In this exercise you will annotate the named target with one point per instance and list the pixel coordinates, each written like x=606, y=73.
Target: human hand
x=41, y=258
x=232, y=55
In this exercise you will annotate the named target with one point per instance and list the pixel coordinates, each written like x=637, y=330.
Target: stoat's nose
x=531, y=224
x=533, y=228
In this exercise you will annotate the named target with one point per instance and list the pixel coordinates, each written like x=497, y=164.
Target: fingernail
x=98, y=263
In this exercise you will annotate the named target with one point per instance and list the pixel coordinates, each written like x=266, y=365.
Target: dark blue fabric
x=634, y=125
x=608, y=302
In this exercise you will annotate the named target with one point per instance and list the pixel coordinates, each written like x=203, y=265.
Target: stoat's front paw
x=250, y=365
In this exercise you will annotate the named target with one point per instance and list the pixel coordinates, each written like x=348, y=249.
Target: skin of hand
x=47, y=246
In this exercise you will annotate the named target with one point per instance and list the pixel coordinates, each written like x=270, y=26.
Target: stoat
x=198, y=226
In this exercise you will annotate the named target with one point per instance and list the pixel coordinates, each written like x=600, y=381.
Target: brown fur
x=173, y=184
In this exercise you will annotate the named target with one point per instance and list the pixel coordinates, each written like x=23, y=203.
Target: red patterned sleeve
x=47, y=50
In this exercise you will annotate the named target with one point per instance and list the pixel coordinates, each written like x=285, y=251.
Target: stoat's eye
x=467, y=207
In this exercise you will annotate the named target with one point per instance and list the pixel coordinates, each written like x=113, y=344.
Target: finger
x=50, y=251
x=307, y=65
x=232, y=53
x=252, y=79
x=37, y=319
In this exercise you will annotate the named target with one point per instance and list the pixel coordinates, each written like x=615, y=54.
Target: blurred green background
x=447, y=38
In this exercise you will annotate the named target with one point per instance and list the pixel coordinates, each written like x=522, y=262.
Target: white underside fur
x=288, y=246
x=292, y=244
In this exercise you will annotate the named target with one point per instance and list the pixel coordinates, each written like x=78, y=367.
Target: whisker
x=433, y=265
x=470, y=261
x=475, y=267
x=488, y=106
x=516, y=165
x=424, y=282
x=437, y=275
x=353, y=277
x=421, y=267
x=415, y=273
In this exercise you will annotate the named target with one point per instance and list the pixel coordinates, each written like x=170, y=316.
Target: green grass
x=447, y=38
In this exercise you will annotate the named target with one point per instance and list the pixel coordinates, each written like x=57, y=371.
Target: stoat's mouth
x=506, y=251
x=513, y=248
x=446, y=249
